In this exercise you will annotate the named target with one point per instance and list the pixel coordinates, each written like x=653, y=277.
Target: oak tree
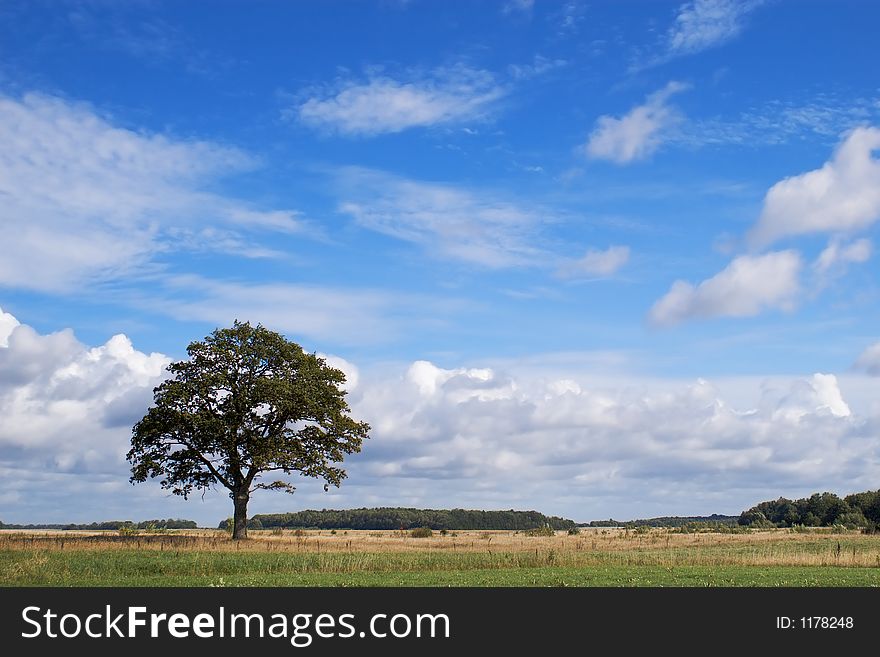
x=246, y=403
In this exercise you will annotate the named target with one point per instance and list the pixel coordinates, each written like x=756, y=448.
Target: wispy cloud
x=449, y=221
x=539, y=66
x=838, y=254
x=383, y=104
x=135, y=31
x=746, y=287
x=869, y=360
x=568, y=18
x=596, y=263
x=700, y=25
x=638, y=133
x=518, y=7
x=305, y=311
x=824, y=117
x=90, y=200
x=704, y=24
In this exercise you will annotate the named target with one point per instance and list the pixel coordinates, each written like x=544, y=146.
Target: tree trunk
x=239, y=520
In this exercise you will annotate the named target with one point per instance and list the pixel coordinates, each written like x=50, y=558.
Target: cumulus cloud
x=819, y=394
x=748, y=285
x=59, y=396
x=7, y=325
x=85, y=199
x=554, y=438
x=453, y=222
x=383, y=104
x=477, y=436
x=637, y=134
x=841, y=196
x=66, y=414
x=596, y=262
x=704, y=24
x=352, y=374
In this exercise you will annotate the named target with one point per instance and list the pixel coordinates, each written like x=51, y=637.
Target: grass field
x=606, y=557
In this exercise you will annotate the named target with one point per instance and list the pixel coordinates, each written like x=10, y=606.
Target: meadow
x=595, y=557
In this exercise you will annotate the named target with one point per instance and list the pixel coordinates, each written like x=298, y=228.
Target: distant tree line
x=170, y=523
x=818, y=510
x=405, y=518
x=667, y=521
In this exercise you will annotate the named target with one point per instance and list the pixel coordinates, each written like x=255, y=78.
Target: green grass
x=206, y=568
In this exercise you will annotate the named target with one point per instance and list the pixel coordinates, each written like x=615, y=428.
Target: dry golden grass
x=660, y=547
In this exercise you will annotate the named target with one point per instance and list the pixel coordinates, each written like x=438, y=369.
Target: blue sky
x=599, y=259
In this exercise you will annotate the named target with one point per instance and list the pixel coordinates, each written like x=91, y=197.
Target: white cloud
x=596, y=262
x=637, y=134
x=819, y=394
x=841, y=196
x=556, y=438
x=321, y=313
x=748, y=285
x=838, y=254
x=385, y=105
x=818, y=118
x=68, y=408
x=85, y=199
x=66, y=415
x=352, y=374
x=469, y=226
x=704, y=24
x=7, y=325
x=478, y=437
x=869, y=360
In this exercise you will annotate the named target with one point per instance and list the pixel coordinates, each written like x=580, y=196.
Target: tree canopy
x=818, y=510
x=409, y=518
x=247, y=402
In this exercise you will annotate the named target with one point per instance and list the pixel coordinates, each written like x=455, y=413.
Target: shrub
x=546, y=530
x=851, y=520
x=421, y=532
x=574, y=531
x=755, y=519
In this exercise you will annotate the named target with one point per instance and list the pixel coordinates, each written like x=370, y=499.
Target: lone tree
x=247, y=402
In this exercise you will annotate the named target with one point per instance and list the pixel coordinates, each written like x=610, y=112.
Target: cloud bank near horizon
x=477, y=437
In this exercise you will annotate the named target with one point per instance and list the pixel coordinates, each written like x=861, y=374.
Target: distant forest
x=666, y=521
x=859, y=510
x=405, y=518
x=170, y=523
x=818, y=510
